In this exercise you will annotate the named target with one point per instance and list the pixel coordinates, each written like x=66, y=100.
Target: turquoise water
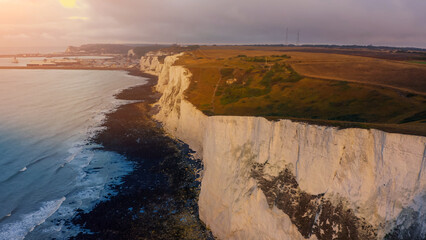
x=48, y=167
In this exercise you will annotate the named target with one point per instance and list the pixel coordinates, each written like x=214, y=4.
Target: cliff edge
x=290, y=180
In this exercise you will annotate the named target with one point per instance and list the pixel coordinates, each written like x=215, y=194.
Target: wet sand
x=158, y=200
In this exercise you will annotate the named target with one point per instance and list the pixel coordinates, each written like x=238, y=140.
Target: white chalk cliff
x=290, y=180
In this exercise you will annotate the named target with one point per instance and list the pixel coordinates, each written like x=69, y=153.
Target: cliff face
x=288, y=180
x=151, y=64
x=179, y=117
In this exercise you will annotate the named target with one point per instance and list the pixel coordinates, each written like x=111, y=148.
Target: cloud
x=395, y=22
x=16, y=36
x=68, y=3
x=78, y=18
x=47, y=36
x=378, y=22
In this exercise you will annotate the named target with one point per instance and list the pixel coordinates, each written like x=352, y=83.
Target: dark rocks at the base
x=312, y=214
x=158, y=200
x=410, y=226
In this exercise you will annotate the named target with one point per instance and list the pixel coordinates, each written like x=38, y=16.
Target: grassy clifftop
x=268, y=82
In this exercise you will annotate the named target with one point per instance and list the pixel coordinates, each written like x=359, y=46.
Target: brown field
x=326, y=88
x=405, y=76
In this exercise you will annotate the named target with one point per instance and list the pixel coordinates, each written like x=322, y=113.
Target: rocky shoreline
x=159, y=199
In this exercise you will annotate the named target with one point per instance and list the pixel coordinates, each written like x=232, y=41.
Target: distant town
x=61, y=60
x=91, y=56
x=114, y=62
x=124, y=57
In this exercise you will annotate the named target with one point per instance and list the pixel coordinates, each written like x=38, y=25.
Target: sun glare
x=68, y=3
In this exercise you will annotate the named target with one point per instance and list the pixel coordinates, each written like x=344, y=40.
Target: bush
x=227, y=73
x=255, y=59
x=281, y=56
x=294, y=76
x=234, y=94
x=267, y=79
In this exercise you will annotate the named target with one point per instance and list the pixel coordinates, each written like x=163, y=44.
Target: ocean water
x=36, y=49
x=48, y=166
x=7, y=62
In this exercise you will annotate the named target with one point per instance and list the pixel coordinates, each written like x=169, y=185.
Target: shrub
x=227, y=73
x=234, y=94
x=281, y=56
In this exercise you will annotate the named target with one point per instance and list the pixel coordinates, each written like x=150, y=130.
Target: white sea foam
x=74, y=151
x=19, y=229
x=70, y=158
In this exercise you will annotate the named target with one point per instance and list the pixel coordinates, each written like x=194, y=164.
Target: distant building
x=65, y=61
x=231, y=81
x=54, y=62
x=131, y=53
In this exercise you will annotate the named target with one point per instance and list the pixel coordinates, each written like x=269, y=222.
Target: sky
x=27, y=23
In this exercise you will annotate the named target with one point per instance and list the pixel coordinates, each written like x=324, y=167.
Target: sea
x=22, y=62
x=33, y=49
x=49, y=168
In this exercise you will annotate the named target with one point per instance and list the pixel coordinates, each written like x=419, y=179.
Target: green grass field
x=265, y=84
x=418, y=62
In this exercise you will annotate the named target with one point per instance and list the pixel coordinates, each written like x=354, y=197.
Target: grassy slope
x=418, y=62
x=264, y=83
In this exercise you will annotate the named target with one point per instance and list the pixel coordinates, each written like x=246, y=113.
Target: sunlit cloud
x=78, y=18
x=68, y=3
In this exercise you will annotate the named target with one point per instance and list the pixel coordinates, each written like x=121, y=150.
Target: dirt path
x=214, y=93
x=367, y=83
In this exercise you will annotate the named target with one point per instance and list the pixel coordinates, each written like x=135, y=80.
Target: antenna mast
x=298, y=37
x=286, y=36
